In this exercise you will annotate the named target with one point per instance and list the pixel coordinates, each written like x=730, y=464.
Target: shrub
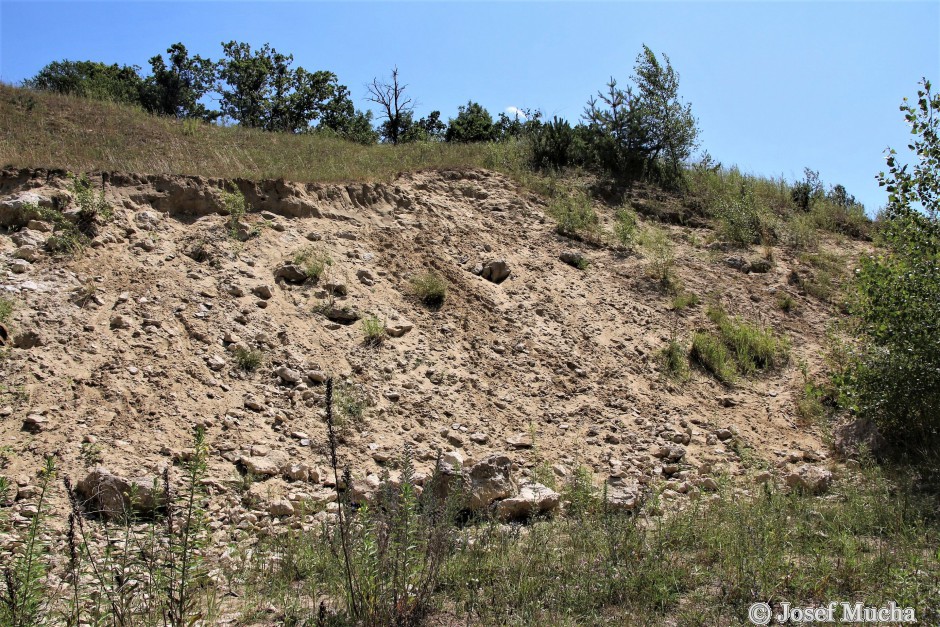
x=236, y=207
x=675, y=360
x=313, y=261
x=248, y=359
x=754, y=347
x=895, y=377
x=431, y=289
x=785, y=302
x=684, y=300
x=658, y=248
x=800, y=233
x=625, y=223
x=709, y=352
x=741, y=221
x=373, y=330
x=6, y=309
x=574, y=215
x=92, y=205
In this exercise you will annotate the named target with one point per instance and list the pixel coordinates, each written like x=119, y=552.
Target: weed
x=6, y=309
x=658, y=248
x=248, y=359
x=710, y=353
x=92, y=206
x=625, y=225
x=90, y=453
x=684, y=300
x=23, y=595
x=574, y=215
x=85, y=294
x=313, y=260
x=785, y=302
x=373, y=330
x=754, y=347
x=236, y=207
x=675, y=360
x=350, y=402
x=431, y=289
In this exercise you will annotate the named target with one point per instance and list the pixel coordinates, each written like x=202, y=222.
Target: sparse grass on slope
x=63, y=132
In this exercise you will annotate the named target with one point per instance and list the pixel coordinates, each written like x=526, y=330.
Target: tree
x=90, y=79
x=397, y=110
x=670, y=127
x=341, y=118
x=427, y=129
x=261, y=90
x=472, y=124
x=643, y=133
x=176, y=90
x=895, y=376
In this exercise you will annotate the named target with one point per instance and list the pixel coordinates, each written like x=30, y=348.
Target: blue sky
x=776, y=86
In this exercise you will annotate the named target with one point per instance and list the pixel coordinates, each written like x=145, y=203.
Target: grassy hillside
x=49, y=130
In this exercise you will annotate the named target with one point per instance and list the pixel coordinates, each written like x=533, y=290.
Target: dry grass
x=54, y=131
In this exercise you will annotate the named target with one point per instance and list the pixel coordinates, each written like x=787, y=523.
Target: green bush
x=92, y=206
x=6, y=309
x=373, y=330
x=313, y=261
x=675, y=360
x=754, y=347
x=574, y=215
x=625, y=225
x=709, y=352
x=248, y=359
x=431, y=289
x=743, y=222
x=236, y=207
x=659, y=250
x=894, y=378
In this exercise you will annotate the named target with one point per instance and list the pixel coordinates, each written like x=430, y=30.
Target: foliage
x=660, y=251
x=177, y=89
x=431, y=289
x=646, y=133
x=742, y=222
x=313, y=260
x=260, y=89
x=754, y=347
x=895, y=378
x=248, y=359
x=92, y=206
x=574, y=214
x=373, y=330
x=23, y=594
x=556, y=145
x=472, y=124
x=89, y=79
x=236, y=206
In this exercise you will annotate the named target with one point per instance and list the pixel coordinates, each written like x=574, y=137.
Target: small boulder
x=496, y=271
x=292, y=273
x=811, y=479
x=289, y=375
x=573, y=258
x=281, y=508
x=262, y=291
x=490, y=480
x=533, y=499
x=112, y=496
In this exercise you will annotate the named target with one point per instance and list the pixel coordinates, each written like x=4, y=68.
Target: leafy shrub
x=472, y=124
x=236, y=207
x=373, y=330
x=92, y=205
x=431, y=289
x=741, y=221
x=625, y=224
x=709, y=352
x=894, y=378
x=800, y=233
x=555, y=145
x=785, y=302
x=658, y=248
x=313, y=261
x=574, y=215
x=684, y=300
x=248, y=359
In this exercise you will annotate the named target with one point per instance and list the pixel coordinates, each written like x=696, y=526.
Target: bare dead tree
x=397, y=109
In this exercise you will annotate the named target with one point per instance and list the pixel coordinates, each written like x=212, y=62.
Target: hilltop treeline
x=641, y=131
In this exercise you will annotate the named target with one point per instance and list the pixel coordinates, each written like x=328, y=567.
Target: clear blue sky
x=776, y=85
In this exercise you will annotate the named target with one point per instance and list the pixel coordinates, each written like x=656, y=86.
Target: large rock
x=112, y=496
x=533, y=499
x=29, y=237
x=490, y=480
x=15, y=210
x=853, y=437
x=807, y=478
x=496, y=271
x=292, y=273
